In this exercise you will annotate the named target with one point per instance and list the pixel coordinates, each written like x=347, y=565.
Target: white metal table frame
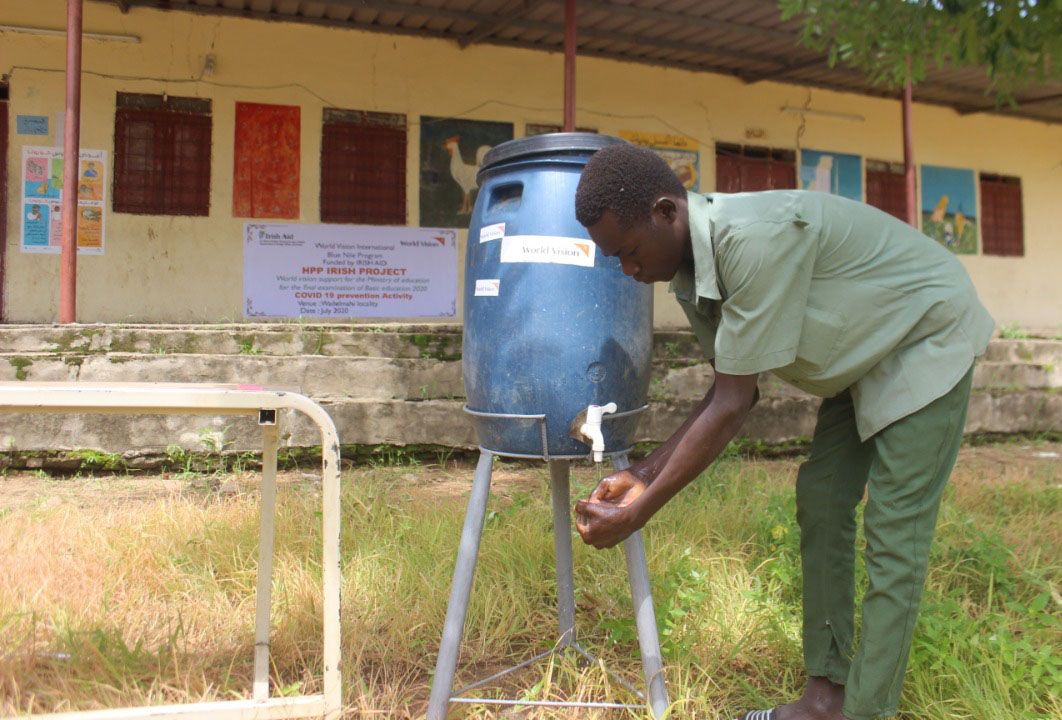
x=205, y=399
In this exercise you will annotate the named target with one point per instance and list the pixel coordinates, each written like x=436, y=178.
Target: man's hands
x=606, y=519
x=623, y=502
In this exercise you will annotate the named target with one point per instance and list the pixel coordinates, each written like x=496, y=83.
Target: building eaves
x=744, y=38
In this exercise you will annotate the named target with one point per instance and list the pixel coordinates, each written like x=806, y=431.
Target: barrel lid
x=574, y=143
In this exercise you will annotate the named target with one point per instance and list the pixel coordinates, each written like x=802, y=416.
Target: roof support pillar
x=569, y=65
x=908, y=153
x=71, y=146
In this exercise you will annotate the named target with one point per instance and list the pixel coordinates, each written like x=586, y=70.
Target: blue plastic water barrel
x=551, y=325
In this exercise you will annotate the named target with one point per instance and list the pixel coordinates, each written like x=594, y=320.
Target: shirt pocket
x=820, y=337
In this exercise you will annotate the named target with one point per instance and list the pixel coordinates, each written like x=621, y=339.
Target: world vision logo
x=423, y=243
x=585, y=247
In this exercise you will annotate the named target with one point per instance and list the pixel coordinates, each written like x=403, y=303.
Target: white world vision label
x=548, y=249
x=492, y=232
x=488, y=288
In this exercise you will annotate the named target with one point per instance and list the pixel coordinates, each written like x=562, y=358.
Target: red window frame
x=162, y=155
x=1002, y=230
x=887, y=188
x=748, y=168
x=363, y=167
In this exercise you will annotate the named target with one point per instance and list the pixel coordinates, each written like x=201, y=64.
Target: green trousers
x=904, y=469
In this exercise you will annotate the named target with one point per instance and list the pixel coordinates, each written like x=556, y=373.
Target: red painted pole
x=71, y=146
x=569, y=65
x=908, y=153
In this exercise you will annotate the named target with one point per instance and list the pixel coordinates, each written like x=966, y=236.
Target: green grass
x=1013, y=331
x=152, y=601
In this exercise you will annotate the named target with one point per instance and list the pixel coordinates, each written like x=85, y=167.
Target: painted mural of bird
x=941, y=210
x=463, y=173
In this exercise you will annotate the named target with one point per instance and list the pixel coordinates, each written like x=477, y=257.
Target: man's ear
x=664, y=207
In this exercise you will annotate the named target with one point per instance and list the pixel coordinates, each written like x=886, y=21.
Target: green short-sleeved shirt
x=830, y=294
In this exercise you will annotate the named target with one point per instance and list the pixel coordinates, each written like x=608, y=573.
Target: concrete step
x=1012, y=375
x=1046, y=352
x=401, y=384
x=671, y=348
x=417, y=379
x=435, y=422
x=369, y=378
x=393, y=341
x=691, y=382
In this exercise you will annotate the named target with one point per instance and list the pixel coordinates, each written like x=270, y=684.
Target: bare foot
x=822, y=700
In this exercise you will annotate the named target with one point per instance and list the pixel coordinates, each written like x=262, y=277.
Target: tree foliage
x=1019, y=42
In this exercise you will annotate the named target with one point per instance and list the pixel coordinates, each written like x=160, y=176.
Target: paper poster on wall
x=830, y=172
x=31, y=124
x=451, y=152
x=42, y=200
x=949, y=208
x=348, y=271
x=679, y=151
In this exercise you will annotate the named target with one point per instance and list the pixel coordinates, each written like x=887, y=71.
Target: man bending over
x=842, y=301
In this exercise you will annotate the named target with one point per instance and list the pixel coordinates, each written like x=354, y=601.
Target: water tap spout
x=590, y=428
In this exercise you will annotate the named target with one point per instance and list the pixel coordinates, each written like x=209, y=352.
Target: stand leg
x=559, y=475
x=638, y=573
x=266, y=527
x=453, y=627
x=331, y=518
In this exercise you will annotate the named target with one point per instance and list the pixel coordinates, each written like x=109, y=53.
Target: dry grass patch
x=124, y=591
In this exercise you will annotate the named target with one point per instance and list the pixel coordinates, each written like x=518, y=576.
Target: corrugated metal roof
x=745, y=38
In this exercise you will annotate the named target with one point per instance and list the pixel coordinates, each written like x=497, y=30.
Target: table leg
x=331, y=515
x=266, y=531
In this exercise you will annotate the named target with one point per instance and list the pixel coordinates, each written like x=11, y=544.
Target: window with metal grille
x=886, y=187
x=162, y=155
x=363, y=167
x=1001, y=221
x=746, y=168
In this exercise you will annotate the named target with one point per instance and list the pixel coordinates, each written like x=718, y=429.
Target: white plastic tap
x=592, y=428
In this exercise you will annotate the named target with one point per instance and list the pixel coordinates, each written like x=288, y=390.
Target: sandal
x=758, y=715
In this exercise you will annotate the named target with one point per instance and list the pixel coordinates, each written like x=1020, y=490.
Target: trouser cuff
x=837, y=677
x=855, y=715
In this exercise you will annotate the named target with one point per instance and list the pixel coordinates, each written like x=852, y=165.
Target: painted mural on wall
x=679, y=151
x=42, y=200
x=451, y=152
x=829, y=172
x=949, y=208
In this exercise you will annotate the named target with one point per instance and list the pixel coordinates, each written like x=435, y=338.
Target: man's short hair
x=625, y=179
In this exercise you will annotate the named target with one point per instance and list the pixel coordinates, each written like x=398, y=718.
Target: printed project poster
x=42, y=200
x=829, y=172
x=348, y=271
x=949, y=208
x=679, y=151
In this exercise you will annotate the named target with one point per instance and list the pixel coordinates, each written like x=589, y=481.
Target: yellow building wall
x=183, y=269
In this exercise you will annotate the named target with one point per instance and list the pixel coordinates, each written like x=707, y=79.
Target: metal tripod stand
x=442, y=693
